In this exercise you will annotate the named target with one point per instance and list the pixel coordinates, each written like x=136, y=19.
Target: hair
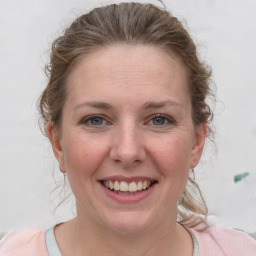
x=131, y=24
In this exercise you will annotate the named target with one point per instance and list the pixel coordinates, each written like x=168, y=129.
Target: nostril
x=128, y=153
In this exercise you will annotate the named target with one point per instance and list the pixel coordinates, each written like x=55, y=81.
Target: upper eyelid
x=169, y=118
x=163, y=116
x=87, y=118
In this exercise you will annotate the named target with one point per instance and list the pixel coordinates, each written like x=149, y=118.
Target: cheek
x=173, y=157
x=172, y=160
x=177, y=149
x=83, y=156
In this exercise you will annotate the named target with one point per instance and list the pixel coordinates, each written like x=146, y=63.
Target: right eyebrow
x=94, y=104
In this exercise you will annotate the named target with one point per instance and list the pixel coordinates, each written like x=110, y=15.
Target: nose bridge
x=127, y=147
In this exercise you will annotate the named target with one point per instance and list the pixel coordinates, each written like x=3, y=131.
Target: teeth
x=144, y=184
x=116, y=185
x=133, y=187
x=139, y=185
x=125, y=187
x=111, y=185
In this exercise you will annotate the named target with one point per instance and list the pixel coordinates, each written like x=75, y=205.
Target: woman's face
x=127, y=124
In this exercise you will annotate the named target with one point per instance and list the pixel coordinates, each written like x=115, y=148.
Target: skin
x=128, y=140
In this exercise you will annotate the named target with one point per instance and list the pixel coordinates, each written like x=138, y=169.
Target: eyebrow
x=95, y=104
x=146, y=106
x=160, y=104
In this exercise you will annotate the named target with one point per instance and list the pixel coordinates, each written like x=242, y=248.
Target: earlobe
x=54, y=138
x=198, y=147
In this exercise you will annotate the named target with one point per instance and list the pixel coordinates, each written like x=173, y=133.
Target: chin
x=130, y=223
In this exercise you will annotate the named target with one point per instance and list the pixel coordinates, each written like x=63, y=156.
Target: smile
x=123, y=186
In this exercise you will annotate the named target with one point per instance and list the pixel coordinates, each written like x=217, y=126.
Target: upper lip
x=127, y=179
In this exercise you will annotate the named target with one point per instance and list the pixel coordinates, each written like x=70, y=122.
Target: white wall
x=225, y=31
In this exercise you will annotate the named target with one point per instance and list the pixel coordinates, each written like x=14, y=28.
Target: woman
x=126, y=114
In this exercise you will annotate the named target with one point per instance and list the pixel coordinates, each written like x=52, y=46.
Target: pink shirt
x=216, y=241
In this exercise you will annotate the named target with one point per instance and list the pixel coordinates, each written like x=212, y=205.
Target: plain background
x=225, y=33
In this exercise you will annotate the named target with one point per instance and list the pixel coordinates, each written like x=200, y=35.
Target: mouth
x=128, y=188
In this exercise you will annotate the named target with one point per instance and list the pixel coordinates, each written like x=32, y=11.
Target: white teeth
x=139, y=185
x=116, y=185
x=111, y=185
x=133, y=187
x=144, y=184
x=123, y=186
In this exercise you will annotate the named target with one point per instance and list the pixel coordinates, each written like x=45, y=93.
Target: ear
x=54, y=138
x=198, y=146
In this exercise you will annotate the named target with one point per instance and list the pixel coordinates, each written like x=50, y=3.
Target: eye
x=161, y=120
x=94, y=121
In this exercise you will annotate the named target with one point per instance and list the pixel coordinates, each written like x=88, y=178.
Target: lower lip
x=133, y=198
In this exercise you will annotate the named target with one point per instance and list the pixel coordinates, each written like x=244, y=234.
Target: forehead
x=126, y=69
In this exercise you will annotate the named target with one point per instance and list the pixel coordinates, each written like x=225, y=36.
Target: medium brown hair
x=132, y=24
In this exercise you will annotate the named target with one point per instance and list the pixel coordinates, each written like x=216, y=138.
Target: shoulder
x=27, y=243
x=217, y=240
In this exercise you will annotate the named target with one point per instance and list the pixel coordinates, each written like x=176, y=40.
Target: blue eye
x=160, y=120
x=94, y=121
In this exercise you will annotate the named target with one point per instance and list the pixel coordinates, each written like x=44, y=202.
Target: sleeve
x=25, y=243
x=218, y=240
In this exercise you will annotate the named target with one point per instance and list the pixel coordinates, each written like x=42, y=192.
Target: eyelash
x=170, y=120
x=85, y=121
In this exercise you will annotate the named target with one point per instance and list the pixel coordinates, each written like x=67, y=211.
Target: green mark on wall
x=239, y=177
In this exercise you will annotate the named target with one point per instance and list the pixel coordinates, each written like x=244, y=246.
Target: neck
x=87, y=238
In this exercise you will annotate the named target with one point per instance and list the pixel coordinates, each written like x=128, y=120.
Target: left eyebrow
x=160, y=104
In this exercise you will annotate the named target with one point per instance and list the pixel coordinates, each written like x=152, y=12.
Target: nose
x=127, y=147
